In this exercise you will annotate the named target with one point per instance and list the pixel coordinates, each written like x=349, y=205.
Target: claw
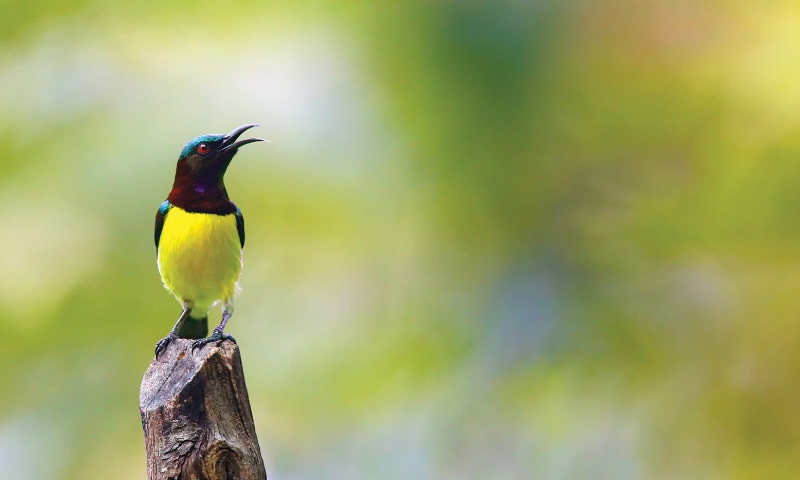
x=164, y=343
x=217, y=336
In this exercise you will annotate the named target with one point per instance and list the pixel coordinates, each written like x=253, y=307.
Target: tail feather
x=194, y=328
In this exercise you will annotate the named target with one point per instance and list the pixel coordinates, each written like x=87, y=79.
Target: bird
x=199, y=237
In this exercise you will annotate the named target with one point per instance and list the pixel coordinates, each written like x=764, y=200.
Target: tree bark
x=196, y=415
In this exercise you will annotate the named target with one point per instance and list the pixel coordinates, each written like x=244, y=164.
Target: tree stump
x=196, y=415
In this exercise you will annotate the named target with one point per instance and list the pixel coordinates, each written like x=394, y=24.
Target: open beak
x=229, y=141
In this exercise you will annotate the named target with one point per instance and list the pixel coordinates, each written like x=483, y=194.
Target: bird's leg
x=173, y=334
x=218, y=334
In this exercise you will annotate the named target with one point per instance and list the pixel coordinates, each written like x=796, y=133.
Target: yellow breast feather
x=200, y=257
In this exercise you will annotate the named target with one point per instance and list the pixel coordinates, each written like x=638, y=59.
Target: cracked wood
x=196, y=415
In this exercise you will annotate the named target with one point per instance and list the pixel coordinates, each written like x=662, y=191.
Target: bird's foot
x=216, y=336
x=164, y=343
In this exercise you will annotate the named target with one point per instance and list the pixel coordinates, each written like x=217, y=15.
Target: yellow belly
x=200, y=258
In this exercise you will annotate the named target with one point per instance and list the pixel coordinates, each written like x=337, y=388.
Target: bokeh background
x=489, y=239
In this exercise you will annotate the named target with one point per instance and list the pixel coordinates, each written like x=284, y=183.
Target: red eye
x=202, y=149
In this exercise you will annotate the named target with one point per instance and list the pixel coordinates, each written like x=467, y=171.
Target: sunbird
x=199, y=237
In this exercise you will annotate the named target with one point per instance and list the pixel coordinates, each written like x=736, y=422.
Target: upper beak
x=229, y=140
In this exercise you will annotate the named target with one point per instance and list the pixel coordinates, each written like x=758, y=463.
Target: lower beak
x=229, y=141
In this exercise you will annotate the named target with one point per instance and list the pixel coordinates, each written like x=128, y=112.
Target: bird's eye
x=203, y=148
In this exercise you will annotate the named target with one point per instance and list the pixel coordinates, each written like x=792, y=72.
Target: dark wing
x=240, y=225
x=160, y=216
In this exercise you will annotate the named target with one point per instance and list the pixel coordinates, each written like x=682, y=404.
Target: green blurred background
x=489, y=239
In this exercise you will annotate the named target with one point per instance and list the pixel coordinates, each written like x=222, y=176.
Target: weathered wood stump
x=196, y=415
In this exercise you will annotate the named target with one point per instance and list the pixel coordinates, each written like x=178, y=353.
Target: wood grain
x=196, y=415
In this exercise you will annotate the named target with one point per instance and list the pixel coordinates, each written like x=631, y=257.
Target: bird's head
x=206, y=158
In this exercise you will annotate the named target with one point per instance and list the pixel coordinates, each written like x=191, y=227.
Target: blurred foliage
x=546, y=240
